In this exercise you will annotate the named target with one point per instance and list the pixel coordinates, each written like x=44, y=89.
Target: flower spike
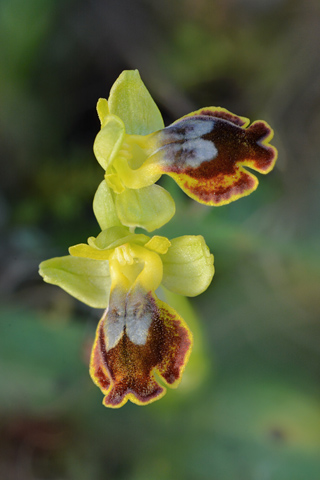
x=207, y=153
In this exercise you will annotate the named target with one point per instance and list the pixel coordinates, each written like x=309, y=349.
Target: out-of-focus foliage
x=255, y=414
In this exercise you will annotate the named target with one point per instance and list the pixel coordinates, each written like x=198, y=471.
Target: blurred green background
x=249, y=406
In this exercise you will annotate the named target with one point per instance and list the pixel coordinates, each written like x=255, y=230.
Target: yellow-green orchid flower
x=205, y=152
x=138, y=335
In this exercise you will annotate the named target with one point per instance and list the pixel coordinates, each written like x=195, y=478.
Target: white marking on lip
x=191, y=153
x=114, y=327
x=187, y=129
x=138, y=318
x=115, y=318
x=137, y=328
x=127, y=313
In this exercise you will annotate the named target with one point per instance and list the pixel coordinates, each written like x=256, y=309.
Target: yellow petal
x=158, y=244
x=102, y=110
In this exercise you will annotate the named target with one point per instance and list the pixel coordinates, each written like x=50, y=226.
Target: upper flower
x=205, y=152
x=138, y=334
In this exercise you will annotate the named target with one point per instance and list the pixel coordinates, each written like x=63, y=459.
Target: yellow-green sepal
x=103, y=246
x=104, y=207
x=130, y=100
x=85, y=279
x=149, y=207
x=187, y=266
x=109, y=140
x=116, y=236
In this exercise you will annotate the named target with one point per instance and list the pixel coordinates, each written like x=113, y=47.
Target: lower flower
x=126, y=371
x=139, y=336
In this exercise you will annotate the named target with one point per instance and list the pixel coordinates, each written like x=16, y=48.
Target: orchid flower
x=206, y=152
x=138, y=334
